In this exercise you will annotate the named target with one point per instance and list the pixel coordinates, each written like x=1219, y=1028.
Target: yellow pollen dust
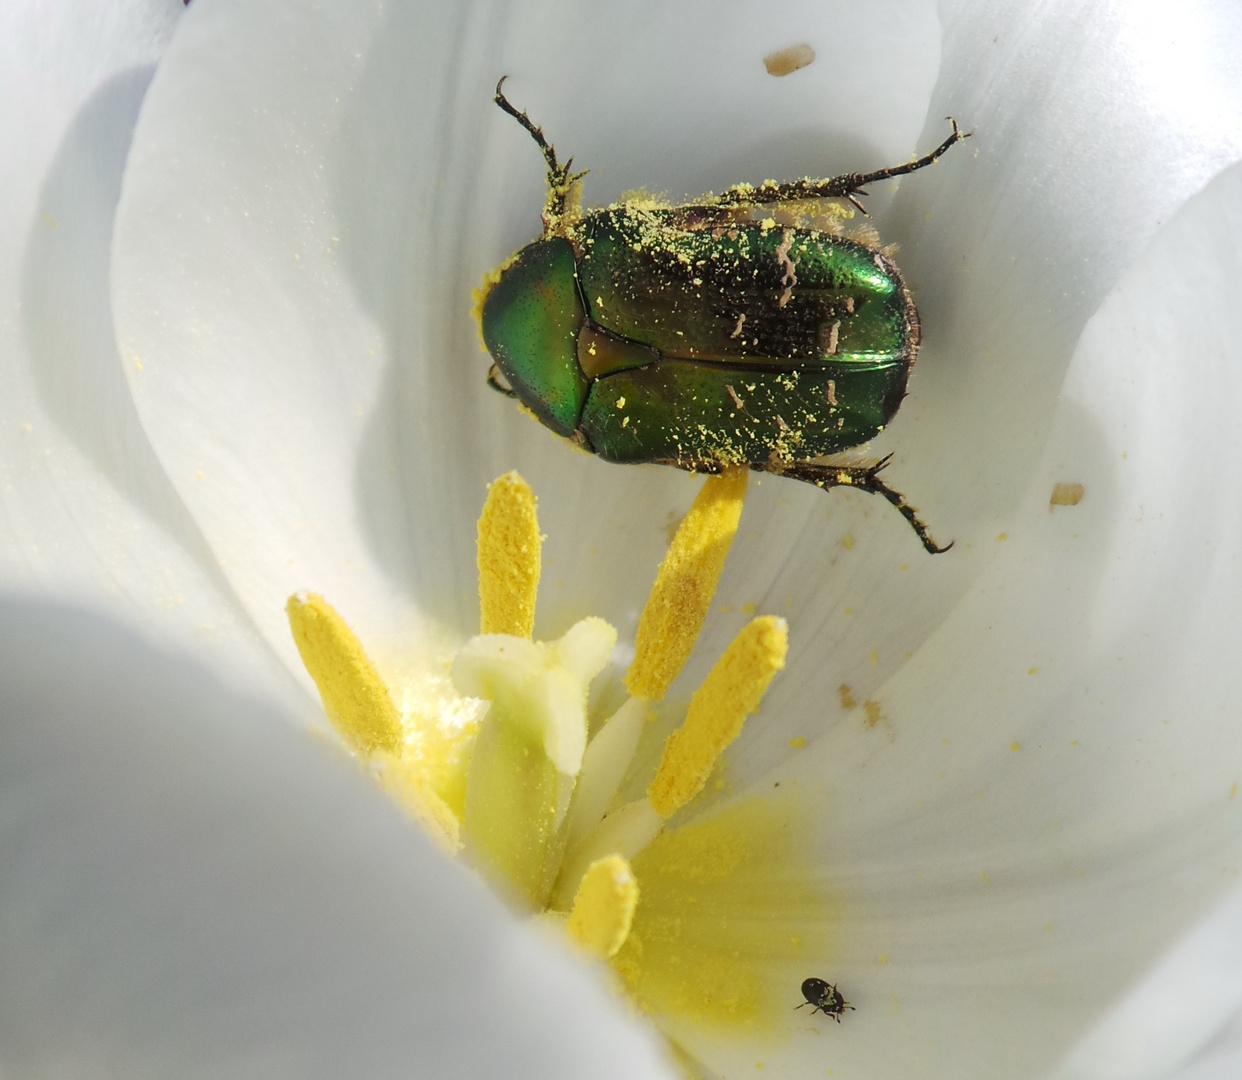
x=726, y=900
x=717, y=712
x=509, y=558
x=604, y=906
x=479, y=295
x=354, y=697
x=685, y=585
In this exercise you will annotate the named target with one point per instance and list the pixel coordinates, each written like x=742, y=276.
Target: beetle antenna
x=560, y=179
x=556, y=171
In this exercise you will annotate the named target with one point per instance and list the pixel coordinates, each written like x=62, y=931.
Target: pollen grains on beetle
x=490, y=754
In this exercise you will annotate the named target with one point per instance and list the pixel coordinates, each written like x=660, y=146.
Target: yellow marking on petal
x=354, y=697
x=685, y=585
x=725, y=902
x=509, y=558
x=604, y=906
x=731, y=691
x=404, y=781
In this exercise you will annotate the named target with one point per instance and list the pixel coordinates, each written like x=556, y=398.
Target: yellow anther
x=509, y=558
x=604, y=907
x=354, y=697
x=717, y=711
x=685, y=585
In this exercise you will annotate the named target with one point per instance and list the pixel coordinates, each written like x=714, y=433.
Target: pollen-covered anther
x=717, y=712
x=509, y=557
x=604, y=906
x=685, y=584
x=360, y=708
x=354, y=697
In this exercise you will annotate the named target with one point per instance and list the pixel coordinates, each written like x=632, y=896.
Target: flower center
x=542, y=818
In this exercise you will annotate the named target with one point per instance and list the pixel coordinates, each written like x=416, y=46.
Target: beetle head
x=530, y=319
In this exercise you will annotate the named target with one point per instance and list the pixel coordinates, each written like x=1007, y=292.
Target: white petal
x=193, y=890
x=1182, y=1002
x=87, y=511
x=259, y=363
x=1221, y=1059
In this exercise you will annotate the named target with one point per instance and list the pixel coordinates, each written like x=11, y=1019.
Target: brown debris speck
x=1065, y=495
x=787, y=61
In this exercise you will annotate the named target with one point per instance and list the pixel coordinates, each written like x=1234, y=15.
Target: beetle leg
x=846, y=186
x=493, y=380
x=863, y=477
x=910, y=166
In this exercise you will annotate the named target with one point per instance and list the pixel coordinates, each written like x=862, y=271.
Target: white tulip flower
x=992, y=795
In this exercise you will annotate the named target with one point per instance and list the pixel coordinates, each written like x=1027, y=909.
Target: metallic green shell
x=776, y=344
x=736, y=292
x=698, y=415
x=706, y=340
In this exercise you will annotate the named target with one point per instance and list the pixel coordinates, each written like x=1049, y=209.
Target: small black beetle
x=824, y=997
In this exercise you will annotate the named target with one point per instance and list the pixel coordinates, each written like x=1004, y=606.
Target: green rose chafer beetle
x=705, y=336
